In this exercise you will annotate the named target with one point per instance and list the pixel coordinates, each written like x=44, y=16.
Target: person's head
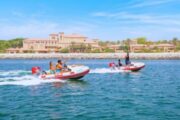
x=119, y=60
x=59, y=61
x=50, y=63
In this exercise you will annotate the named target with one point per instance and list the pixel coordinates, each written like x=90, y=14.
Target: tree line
x=13, y=43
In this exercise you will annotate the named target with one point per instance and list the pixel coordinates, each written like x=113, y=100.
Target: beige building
x=163, y=47
x=77, y=43
x=135, y=47
x=54, y=43
x=116, y=48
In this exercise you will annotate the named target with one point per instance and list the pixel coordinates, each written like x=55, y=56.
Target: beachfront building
x=135, y=47
x=75, y=43
x=163, y=47
x=14, y=50
x=54, y=43
x=116, y=48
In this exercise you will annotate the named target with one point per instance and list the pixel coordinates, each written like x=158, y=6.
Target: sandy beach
x=90, y=55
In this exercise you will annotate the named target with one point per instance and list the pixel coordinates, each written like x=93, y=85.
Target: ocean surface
x=150, y=94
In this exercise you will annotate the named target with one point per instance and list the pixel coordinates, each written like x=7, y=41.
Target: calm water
x=151, y=94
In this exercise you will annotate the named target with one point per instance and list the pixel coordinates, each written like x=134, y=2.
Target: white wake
x=19, y=77
x=25, y=78
x=106, y=70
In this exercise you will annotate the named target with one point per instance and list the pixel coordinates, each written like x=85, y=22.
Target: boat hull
x=73, y=76
x=77, y=72
x=134, y=67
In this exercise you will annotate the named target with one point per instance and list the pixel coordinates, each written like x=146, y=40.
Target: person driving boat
x=127, y=60
x=119, y=63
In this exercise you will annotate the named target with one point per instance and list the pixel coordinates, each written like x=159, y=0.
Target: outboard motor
x=112, y=65
x=35, y=70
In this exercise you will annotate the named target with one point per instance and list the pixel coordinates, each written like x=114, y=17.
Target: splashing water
x=14, y=73
x=25, y=78
x=22, y=78
x=106, y=70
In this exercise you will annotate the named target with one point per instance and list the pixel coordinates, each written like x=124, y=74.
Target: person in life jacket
x=127, y=60
x=59, y=66
x=52, y=69
x=119, y=63
x=65, y=68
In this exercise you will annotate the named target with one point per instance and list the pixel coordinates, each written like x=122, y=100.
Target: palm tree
x=72, y=47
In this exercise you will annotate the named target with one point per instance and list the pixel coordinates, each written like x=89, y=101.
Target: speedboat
x=73, y=72
x=134, y=67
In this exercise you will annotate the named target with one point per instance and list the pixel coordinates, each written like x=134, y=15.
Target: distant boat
x=134, y=67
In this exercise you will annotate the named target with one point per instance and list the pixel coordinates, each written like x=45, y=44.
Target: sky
x=103, y=19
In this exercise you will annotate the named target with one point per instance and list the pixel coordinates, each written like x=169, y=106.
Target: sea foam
x=106, y=70
x=26, y=79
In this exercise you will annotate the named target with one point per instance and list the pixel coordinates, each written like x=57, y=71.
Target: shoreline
x=148, y=56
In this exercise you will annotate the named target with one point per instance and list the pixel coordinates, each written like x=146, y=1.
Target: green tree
x=64, y=50
x=82, y=47
x=88, y=48
x=175, y=41
x=72, y=47
x=102, y=44
x=141, y=40
x=108, y=50
x=125, y=45
x=96, y=51
x=13, y=43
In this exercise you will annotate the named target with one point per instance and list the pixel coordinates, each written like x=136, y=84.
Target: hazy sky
x=104, y=19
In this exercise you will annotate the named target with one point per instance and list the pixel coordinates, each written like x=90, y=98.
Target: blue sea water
x=150, y=94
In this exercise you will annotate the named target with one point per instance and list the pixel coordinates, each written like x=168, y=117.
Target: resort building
x=78, y=43
x=54, y=43
x=163, y=47
x=117, y=48
x=135, y=47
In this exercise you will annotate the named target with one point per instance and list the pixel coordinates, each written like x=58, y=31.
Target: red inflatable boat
x=76, y=72
x=133, y=67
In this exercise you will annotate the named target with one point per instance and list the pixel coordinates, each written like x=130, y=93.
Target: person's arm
x=61, y=67
x=53, y=68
